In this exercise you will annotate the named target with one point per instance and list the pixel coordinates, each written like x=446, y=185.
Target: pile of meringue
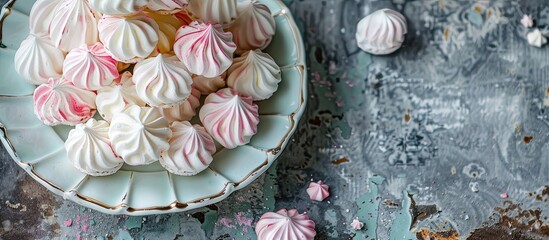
x=143, y=66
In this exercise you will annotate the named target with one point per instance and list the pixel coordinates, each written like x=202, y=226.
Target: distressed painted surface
x=455, y=118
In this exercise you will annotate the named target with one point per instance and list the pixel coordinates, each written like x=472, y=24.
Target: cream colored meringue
x=90, y=67
x=116, y=97
x=536, y=38
x=129, y=39
x=255, y=26
x=357, y=224
x=229, y=117
x=254, y=74
x=60, y=102
x=204, y=48
x=285, y=225
x=118, y=7
x=162, y=81
x=74, y=24
x=184, y=111
x=318, y=191
x=167, y=6
x=191, y=149
x=215, y=11
x=41, y=15
x=184, y=17
x=139, y=135
x=209, y=85
x=89, y=149
x=38, y=60
x=381, y=32
x=167, y=26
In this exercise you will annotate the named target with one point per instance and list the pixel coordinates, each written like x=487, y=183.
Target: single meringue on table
x=357, y=224
x=37, y=59
x=90, y=67
x=60, y=102
x=116, y=97
x=318, y=191
x=118, y=7
x=223, y=12
x=204, y=48
x=74, y=24
x=254, y=27
x=162, y=81
x=139, y=135
x=167, y=6
x=381, y=32
x=184, y=111
x=536, y=38
x=230, y=117
x=209, y=85
x=191, y=149
x=41, y=15
x=285, y=225
x=254, y=74
x=89, y=149
x=129, y=39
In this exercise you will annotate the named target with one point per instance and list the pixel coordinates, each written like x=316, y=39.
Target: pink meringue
x=37, y=60
x=191, y=149
x=204, y=48
x=129, y=39
x=74, y=24
x=209, y=85
x=285, y=225
x=255, y=26
x=318, y=191
x=41, y=15
x=184, y=111
x=60, y=102
x=90, y=67
x=357, y=224
x=167, y=6
x=216, y=11
x=527, y=21
x=229, y=117
x=116, y=97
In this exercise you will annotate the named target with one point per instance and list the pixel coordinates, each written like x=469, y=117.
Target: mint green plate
x=144, y=190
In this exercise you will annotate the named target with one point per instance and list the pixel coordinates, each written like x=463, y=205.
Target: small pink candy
x=357, y=224
x=527, y=21
x=504, y=195
x=68, y=222
x=318, y=191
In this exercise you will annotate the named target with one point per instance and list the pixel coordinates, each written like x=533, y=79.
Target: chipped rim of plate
x=176, y=206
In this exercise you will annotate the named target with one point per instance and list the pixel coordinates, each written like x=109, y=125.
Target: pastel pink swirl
x=285, y=225
x=90, y=67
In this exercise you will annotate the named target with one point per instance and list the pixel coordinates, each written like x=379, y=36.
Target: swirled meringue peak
x=209, y=85
x=381, y=32
x=60, y=102
x=184, y=111
x=318, y=191
x=38, y=60
x=116, y=97
x=139, y=135
x=285, y=225
x=204, y=48
x=129, y=39
x=118, y=7
x=74, y=24
x=230, y=117
x=162, y=81
x=167, y=6
x=167, y=26
x=191, y=149
x=255, y=26
x=223, y=12
x=90, y=67
x=41, y=15
x=254, y=74
x=89, y=149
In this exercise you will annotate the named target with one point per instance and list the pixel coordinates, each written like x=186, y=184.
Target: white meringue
x=318, y=191
x=215, y=11
x=285, y=225
x=209, y=85
x=90, y=67
x=357, y=224
x=254, y=74
x=167, y=6
x=38, y=60
x=129, y=39
x=184, y=111
x=139, y=135
x=60, y=102
x=118, y=7
x=381, y=32
x=536, y=38
x=191, y=149
x=229, y=117
x=89, y=149
x=255, y=26
x=116, y=97
x=162, y=81
x=41, y=15
x=74, y=24
x=527, y=21
x=204, y=48
x=167, y=26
